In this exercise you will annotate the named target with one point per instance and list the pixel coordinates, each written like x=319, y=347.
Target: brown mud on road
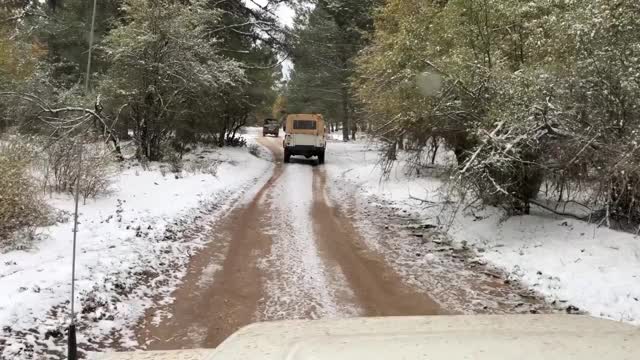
x=205, y=312
x=379, y=290
x=427, y=261
x=290, y=253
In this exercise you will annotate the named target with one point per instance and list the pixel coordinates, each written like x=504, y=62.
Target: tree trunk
x=346, y=113
x=435, y=147
x=461, y=155
x=461, y=148
x=392, y=151
x=111, y=135
x=221, y=137
x=148, y=144
x=116, y=147
x=4, y=125
x=123, y=129
x=623, y=198
x=141, y=136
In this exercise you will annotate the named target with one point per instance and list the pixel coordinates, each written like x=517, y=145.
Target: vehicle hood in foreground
x=477, y=337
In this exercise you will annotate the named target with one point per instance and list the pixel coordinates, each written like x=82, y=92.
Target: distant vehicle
x=271, y=127
x=304, y=135
x=442, y=337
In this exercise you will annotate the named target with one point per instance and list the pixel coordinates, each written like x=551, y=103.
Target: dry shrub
x=62, y=166
x=97, y=171
x=21, y=207
x=204, y=166
x=175, y=162
x=254, y=150
x=24, y=168
x=173, y=158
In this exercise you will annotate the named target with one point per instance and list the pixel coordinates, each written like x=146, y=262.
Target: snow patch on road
x=299, y=287
x=206, y=278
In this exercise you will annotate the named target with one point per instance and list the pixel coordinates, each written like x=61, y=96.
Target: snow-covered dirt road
x=182, y=261
x=295, y=252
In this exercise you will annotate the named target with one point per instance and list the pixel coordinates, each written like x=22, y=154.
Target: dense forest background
x=529, y=96
x=163, y=70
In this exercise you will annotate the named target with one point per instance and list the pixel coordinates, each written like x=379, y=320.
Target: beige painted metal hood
x=477, y=337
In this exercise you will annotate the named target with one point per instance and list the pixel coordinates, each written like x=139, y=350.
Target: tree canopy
x=325, y=40
x=523, y=92
x=166, y=71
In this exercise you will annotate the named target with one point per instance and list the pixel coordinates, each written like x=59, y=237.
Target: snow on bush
x=62, y=159
x=21, y=206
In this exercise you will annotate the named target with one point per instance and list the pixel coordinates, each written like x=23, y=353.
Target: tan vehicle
x=271, y=126
x=304, y=135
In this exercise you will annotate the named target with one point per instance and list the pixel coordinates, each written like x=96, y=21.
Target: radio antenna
x=72, y=344
x=72, y=353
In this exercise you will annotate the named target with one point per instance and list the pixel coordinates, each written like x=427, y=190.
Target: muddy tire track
x=283, y=255
x=203, y=316
x=379, y=290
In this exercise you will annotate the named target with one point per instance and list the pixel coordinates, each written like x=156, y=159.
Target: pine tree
x=326, y=39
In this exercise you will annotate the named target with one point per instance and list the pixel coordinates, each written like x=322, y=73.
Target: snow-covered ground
x=568, y=261
x=133, y=245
